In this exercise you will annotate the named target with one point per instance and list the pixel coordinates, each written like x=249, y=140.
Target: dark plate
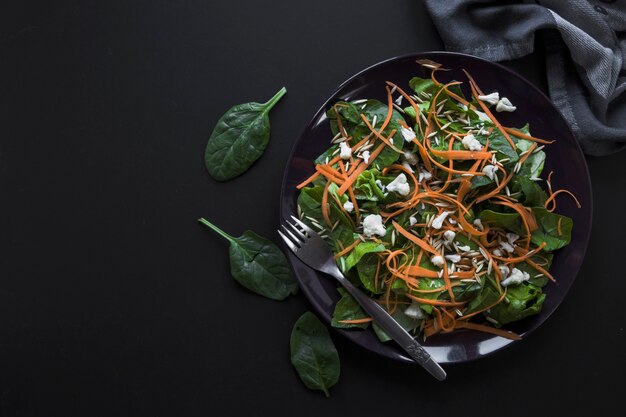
x=564, y=157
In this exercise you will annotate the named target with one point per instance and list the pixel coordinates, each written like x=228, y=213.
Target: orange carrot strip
x=419, y=242
x=357, y=321
x=347, y=249
x=435, y=302
x=325, y=209
x=522, y=135
x=487, y=329
x=362, y=167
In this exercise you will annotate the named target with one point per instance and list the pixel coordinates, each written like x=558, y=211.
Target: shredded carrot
x=554, y=194
x=362, y=167
x=487, y=329
x=325, y=209
x=347, y=249
x=357, y=321
x=522, y=135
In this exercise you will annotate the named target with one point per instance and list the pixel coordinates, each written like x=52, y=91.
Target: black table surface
x=115, y=302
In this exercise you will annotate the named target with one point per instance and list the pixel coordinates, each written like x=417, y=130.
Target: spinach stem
x=216, y=229
x=272, y=101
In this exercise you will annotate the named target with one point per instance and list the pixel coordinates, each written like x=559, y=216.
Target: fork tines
x=297, y=236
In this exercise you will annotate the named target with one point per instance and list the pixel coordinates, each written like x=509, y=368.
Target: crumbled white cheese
x=399, y=185
x=490, y=170
x=482, y=116
x=478, y=224
x=511, y=237
x=398, y=101
x=412, y=221
x=504, y=104
x=380, y=185
x=507, y=247
x=437, y=260
x=407, y=133
x=414, y=311
x=345, y=152
x=366, y=156
x=424, y=175
x=348, y=206
x=438, y=222
x=410, y=157
x=497, y=252
x=449, y=235
x=490, y=99
x=408, y=167
x=373, y=225
x=465, y=248
x=516, y=277
x=504, y=270
x=471, y=143
x=452, y=221
x=453, y=258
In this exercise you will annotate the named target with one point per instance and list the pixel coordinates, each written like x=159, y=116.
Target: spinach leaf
x=366, y=187
x=356, y=127
x=533, y=165
x=313, y=353
x=548, y=229
x=310, y=203
x=366, y=270
x=486, y=297
x=239, y=138
x=509, y=221
x=521, y=301
x=409, y=324
x=361, y=249
x=425, y=85
x=347, y=308
x=534, y=196
x=258, y=264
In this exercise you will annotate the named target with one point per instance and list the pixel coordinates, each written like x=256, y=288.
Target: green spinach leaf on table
x=239, y=138
x=258, y=264
x=313, y=354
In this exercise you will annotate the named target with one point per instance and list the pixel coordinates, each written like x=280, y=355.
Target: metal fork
x=311, y=249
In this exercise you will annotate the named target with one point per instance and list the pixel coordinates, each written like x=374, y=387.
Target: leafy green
x=521, y=301
x=548, y=229
x=258, y=264
x=239, y=138
x=409, y=324
x=533, y=165
x=361, y=249
x=347, y=308
x=310, y=203
x=366, y=270
x=487, y=296
x=509, y=221
x=313, y=354
x=366, y=188
x=356, y=127
x=420, y=85
x=534, y=196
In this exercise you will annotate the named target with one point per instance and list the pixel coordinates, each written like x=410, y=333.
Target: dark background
x=115, y=302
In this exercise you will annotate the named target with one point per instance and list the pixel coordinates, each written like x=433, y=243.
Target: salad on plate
x=435, y=209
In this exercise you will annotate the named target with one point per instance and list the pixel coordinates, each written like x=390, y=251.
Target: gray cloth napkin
x=585, y=46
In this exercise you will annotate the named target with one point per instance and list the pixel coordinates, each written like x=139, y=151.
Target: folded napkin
x=584, y=43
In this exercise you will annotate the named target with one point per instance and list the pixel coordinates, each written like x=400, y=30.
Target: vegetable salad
x=436, y=209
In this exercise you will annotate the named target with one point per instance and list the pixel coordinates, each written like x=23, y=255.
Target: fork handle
x=393, y=329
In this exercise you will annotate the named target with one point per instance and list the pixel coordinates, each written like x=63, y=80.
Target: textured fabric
x=585, y=46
